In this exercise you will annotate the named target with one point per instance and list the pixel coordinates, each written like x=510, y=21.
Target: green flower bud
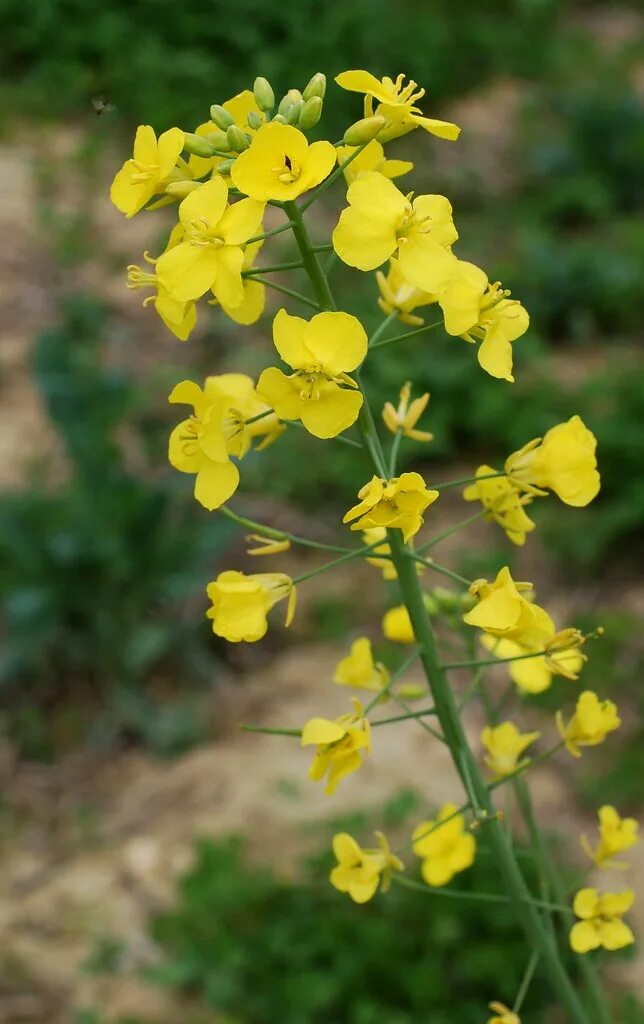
x=198, y=145
x=181, y=189
x=224, y=166
x=364, y=130
x=311, y=112
x=285, y=105
x=221, y=117
x=293, y=115
x=237, y=139
x=219, y=140
x=280, y=119
x=264, y=95
x=254, y=120
x=316, y=87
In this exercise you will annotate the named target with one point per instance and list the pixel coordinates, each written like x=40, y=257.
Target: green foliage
x=94, y=573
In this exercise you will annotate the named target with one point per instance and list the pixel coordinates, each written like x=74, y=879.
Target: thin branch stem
x=430, y=564
x=269, y=531
x=273, y=268
x=408, y=334
x=290, y=292
x=444, y=485
x=269, y=234
x=448, y=533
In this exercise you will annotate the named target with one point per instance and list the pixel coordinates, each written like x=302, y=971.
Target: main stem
x=444, y=703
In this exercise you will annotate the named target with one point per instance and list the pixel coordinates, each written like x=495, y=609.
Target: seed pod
x=316, y=87
x=264, y=95
x=221, y=117
x=364, y=130
x=198, y=145
x=237, y=139
x=311, y=112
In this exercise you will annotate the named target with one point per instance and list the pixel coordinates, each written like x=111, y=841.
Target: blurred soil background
x=119, y=742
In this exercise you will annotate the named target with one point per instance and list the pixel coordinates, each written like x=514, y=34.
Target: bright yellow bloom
x=210, y=254
x=616, y=834
x=502, y=502
x=240, y=603
x=360, y=872
x=239, y=107
x=242, y=403
x=397, y=504
x=341, y=745
x=505, y=745
x=379, y=533
x=152, y=166
x=266, y=546
x=251, y=307
x=322, y=352
x=481, y=312
x=280, y=164
x=562, y=461
x=591, y=723
x=380, y=221
x=359, y=669
x=446, y=849
x=503, y=611
x=396, y=104
x=397, y=294
x=550, y=657
x=198, y=445
x=406, y=416
x=502, y=1014
x=396, y=625
x=179, y=317
x=371, y=158
x=601, y=922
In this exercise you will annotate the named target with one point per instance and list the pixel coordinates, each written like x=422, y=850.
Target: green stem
x=527, y=981
x=393, y=455
x=474, y=663
x=408, y=334
x=290, y=292
x=445, y=484
x=269, y=531
x=310, y=261
x=274, y=268
x=430, y=564
x=481, y=897
x=354, y=553
x=269, y=234
x=379, y=331
x=448, y=533
x=393, y=678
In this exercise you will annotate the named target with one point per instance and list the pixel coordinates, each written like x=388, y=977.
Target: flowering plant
x=253, y=155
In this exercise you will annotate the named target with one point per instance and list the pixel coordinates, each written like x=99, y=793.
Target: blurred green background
x=106, y=662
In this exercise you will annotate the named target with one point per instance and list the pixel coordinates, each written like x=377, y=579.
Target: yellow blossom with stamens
x=248, y=421
x=266, y=545
x=179, y=317
x=559, y=655
x=198, y=445
x=241, y=603
x=502, y=1014
x=371, y=158
x=340, y=745
x=360, y=873
x=396, y=625
x=446, y=849
x=505, y=745
x=591, y=723
x=396, y=104
x=616, y=834
x=249, y=310
x=280, y=164
x=406, y=416
x=503, y=611
x=239, y=107
x=502, y=503
x=152, y=166
x=562, y=461
x=210, y=254
x=380, y=222
x=396, y=504
x=396, y=294
x=600, y=924
x=359, y=669
x=322, y=352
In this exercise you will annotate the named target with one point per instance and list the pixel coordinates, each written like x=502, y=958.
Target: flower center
x=288, y=172
x=143, y=172
x=190, y=439
x=310, y=380
x=201, y=233
x=411, y=221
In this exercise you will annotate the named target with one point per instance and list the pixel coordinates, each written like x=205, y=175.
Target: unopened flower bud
x=237, y=139
x=254, y=120
x=311, y=112
x=316, y=87
x=285, y=105
x=198, y=145
x=219, y=141
x=280, y=119
x=364, y=130
x=293, y=116
x=224, y=166
x=264, y=95
x=181, y=189
x=221, y=117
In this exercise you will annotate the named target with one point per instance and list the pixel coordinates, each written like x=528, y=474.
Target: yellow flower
x=251, y=307
x=502, y=1014
x=406, y=416
x=562, y=461
x=371, y=158
x=379, y=533
x=198, y=445
x=359, y=669
x=445, y=848
x=601, y=922
x=240, y=603
x=616, y=834
x=503, y=611
x=397, y=294
x=242, y=403
x=556, y=656
x=152, y=166
x=397, y=504
x=396, y=625
x=481, y=312
x=360, y=872
x=502, y=502
x=592, y=721
x=395, y=104
x=340, y=745
x=280, y=164
x=505, y=745
x=239, y=107
x=266, y=545
x=380, y=222
x=179, y=317
x=210, y=254
x=322, y=351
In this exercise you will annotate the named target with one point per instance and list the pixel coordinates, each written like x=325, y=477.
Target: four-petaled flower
x=322, y=351
x=396, y=504
x=280, y=164
x=591, y=723
x=616, y=834
x=359, y=669
x=152, y=166
x=341, y=744
x=503, y=611
x=240, y=603
x=396, y=104
x=505, y=744
x=361, y=872
x=562, y=461
x=502, y=502
x=445, y=846
x=601, y=922
x=539, y=659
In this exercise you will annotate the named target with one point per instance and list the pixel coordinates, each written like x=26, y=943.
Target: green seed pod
x=311, y=112
x=237, y=139
x=221, y=117
x=293, y=115
x=364, y=130
x=254, y=120
x=316, y=87
x=198, y=145
x=264, y=95
x=219, y=140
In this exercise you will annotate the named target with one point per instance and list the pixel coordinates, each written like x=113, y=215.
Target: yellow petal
x=241, y=221
x=289, y=333
x=321, y=730
x=207, y=202
x=335, y=410
x=216, y=482
x=188, y=271
x=228, y=286
x=169, y=149
x=280, y=393
x=338, y=342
